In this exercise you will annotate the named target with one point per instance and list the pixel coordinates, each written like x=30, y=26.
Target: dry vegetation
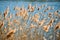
x=16, y=26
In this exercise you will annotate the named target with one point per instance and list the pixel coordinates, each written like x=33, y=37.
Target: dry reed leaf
x=21, y=28
x=29, y=6
x=25, y=13
x=9, y=17
x=16, y=21
x=10, y=33
x=6, y=12
x=57, y=26
x=32, y=26
x=46, y=28
x=41, y=22
x=1, y=24
x=25, y=17
x=36, y=16
x=56, y=13
x=17, y=14
x=17, y=8
x=21, y=13
x=48, y=8
x=51, y=22
x=36, y=20
x=32, y=8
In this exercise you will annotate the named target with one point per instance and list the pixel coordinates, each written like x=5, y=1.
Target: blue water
x=12, y=4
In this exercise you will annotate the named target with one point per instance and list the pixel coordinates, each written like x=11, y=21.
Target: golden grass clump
x=23, y=14
x=35, y=18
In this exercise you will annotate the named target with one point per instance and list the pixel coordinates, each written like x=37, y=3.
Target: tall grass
x=16, y=26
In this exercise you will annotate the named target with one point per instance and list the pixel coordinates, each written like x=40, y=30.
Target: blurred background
x=34, y=0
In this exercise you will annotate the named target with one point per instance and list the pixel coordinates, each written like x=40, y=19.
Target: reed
x=25, y=26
